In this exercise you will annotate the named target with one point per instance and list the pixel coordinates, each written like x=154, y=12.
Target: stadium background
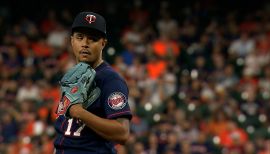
x=198, y=73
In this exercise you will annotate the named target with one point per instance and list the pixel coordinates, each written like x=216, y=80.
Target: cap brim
x=83, y=29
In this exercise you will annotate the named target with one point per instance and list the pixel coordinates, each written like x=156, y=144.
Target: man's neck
x=97, y=63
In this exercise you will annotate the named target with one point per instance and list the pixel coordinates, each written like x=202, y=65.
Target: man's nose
x=85, y=42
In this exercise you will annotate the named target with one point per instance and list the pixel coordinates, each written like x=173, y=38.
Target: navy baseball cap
x=91, y=21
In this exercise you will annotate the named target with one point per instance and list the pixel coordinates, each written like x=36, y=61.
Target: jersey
x=74, y=137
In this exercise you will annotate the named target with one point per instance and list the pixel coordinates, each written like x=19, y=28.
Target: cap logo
x=90, y=18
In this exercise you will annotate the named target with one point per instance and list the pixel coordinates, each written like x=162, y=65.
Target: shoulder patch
x=117, y=101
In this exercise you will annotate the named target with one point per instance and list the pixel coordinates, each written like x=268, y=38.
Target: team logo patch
x=117, y=100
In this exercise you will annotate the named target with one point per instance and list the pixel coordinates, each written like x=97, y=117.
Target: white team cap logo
x=90, y=18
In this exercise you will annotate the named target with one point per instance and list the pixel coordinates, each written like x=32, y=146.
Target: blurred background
x=198, y=73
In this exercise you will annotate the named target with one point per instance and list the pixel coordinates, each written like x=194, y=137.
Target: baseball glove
x=93, y=95
x=76, y=87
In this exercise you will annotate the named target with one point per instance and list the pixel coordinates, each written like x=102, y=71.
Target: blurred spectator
x=173, y=144
x=249, y=148
x=229, y=78
x=167, y=25
x=41, y=49
x=201, y=146
x=242, y=46
x=233, y=137
x=155, y=67
x=49, y=23
x=153, y=147
x=164, y=46
x=9, y=128
x=58, y=37
x=139, y=148
x=28, y=91
x=138, y=14
x=136, y=70
x=139, y=126
x=218, y=123
x=120, y=66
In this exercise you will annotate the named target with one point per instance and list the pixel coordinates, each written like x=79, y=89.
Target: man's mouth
x=85, y=52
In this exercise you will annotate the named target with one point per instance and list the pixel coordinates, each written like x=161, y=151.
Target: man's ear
x=104, y=42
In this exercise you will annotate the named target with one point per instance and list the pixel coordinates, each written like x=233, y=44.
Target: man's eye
x=95, y=39
x=79, y=37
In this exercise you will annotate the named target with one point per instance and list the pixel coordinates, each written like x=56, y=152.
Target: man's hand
x=75, y=110
x=75, y=86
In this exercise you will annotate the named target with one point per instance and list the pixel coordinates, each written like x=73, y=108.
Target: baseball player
x=93, y=114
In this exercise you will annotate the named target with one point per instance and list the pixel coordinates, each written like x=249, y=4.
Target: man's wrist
x=75, y=110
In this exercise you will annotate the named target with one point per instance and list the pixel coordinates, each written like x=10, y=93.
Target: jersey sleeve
x=116, y=99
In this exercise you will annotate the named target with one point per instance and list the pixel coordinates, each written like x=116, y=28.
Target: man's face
x=87, y=46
